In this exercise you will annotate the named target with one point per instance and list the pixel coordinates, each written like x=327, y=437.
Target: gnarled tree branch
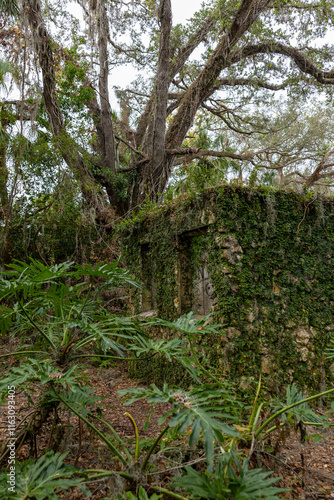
x=302, y=61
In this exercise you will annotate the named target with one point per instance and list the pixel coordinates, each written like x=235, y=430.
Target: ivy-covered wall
x=270, y=258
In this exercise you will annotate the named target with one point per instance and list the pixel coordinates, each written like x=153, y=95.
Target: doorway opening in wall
x=195, y=288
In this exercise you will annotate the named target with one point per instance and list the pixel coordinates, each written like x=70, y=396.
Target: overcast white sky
x=184, y=9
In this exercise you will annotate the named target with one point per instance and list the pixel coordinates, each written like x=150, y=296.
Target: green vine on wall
x=274, y=301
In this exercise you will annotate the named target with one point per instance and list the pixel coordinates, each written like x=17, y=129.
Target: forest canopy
x=244, y=90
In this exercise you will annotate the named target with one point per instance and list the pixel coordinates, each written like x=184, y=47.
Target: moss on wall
x=270, y=256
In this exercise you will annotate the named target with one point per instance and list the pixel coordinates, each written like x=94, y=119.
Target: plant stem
x=255, y=407
x=23, y=352
x=151, y=450
x=319, y=424
x=52, y=429
x=65, y=340
x=108, y=443
x=135, y=428
x=35, y=325
x=105, y=356
x=283, y=410
x=168, y=493
x=116, y=436
x=85, y=301
x=104, y=473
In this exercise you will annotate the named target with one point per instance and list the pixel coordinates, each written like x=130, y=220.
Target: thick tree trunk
x=158, y=170
x=3, y=177
x=108, y=151
x=70, y=151
x=174, y=67
x=156, y=137
x=4, y=206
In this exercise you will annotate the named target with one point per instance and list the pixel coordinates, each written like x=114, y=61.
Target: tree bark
x=70, y=151
x=302, y=61
x=156, y=146
x=108, y=151
x=174, y=67
x=4, y=205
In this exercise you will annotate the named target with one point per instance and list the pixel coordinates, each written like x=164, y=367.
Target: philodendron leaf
x=26, y=277
x=79, y=399
x=205, y=409
x=301, y=412
x=113, y=275
x=169, y=348
x=43, y=479
x=188, y=324
x=6, y=319
x=142, y=495
x=232, y=479
x=44, y=373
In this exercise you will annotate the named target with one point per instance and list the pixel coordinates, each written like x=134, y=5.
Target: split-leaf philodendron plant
x=58, y=322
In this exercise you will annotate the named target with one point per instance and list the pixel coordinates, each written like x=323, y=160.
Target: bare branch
x=131, y=147
x=190, y=154
x=301, y=60
x=129, y=52
x=193, y=43
x=220, y=115
x=254, y=82
x=202, y=87
x=322, y=166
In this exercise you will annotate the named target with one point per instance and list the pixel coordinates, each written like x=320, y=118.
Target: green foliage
x=112, y=275
x=73, y=320
x=232, y=479
x=57, y=304
x=300, y=413
x=169, y=348
x=44, y=373
x=27, y=278
x=46, y=478
x=49, y=221
x=9, y=7
x=202, y=408
x=142, y=495
x=198, y=175
x=330, y=348
x=73, y=92
x=189, y=324
x=5, y=67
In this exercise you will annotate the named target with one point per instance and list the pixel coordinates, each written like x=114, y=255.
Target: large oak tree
x=255, y=44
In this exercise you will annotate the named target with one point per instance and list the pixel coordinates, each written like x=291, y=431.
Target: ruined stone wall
x=260, y=261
